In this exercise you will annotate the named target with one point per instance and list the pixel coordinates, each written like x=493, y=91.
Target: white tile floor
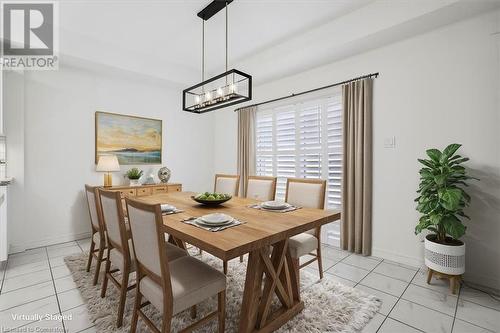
x=37, y=282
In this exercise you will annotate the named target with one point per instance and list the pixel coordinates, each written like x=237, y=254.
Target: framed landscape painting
x=134, y=140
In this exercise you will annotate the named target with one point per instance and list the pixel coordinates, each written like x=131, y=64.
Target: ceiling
x=163, y=38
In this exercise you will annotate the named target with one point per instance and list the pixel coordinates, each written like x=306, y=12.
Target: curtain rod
x=309, y=91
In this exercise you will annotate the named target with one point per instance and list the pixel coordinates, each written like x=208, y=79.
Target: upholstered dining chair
x=228, y=184
x=309, y=193
x=119, y=247
x=261, y=188
x=171, y=286
x=98, y=240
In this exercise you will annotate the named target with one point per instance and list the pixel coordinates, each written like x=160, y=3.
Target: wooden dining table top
x=260, y=227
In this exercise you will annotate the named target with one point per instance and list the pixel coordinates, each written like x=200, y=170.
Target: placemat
x=286, y=210
x=191, y=221
x=175, y=211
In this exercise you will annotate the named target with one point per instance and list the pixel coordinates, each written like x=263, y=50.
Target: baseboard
x=20, y=247
x=490, y=284
x=397, y=257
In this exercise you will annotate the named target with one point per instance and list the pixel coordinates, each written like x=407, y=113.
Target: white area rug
x=329, y=306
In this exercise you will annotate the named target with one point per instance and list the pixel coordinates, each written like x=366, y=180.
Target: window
x=302, y=140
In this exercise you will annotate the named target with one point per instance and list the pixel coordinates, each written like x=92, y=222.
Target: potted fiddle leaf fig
x=133, y=175
x=441, y=201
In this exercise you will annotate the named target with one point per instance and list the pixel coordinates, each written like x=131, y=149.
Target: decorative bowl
x=211, y=202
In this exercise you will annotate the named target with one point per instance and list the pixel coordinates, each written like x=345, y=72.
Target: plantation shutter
x=302, y=140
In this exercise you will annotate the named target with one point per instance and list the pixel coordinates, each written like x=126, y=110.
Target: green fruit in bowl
x=212, y=196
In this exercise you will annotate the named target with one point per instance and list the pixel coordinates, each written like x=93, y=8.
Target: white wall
x=50, y=128
x=433, y=89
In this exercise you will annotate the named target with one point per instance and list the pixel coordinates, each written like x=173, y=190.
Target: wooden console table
x=149, y=189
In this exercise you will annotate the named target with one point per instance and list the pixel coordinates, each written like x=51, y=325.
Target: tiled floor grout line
x=427, y=307
x=367, y=274
x=399, y=298
x=27, y=286
x=456, y=308
x=402, y=322
x=55, y=290
x=81, y=248
x=486, y=306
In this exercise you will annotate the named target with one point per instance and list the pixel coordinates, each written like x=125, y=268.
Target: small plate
x=221, y=224
x=216, y=218
x=278, y=205
x=167, y=208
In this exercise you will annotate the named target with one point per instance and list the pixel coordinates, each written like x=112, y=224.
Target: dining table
x=264, y=236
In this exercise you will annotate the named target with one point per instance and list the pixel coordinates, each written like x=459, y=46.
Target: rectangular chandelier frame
x=219, y=102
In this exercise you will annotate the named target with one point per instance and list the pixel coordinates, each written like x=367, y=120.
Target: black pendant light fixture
x=229, y=88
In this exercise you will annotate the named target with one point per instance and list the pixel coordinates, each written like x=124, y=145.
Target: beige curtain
x=246, y=145
x=356, y=227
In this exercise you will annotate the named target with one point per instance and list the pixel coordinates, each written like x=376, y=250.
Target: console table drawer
x=142, y=191
x=174, y=188
x=130, y=192
x=159, y=189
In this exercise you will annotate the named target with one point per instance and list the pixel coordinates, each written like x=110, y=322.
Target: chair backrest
x=142, y=219
x=114, y=219
x=94, y=204
x=261, y=188
x=228, y=184
x=308, y=193
x=148, y=240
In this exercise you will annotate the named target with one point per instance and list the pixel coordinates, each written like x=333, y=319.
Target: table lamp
x=108, y=164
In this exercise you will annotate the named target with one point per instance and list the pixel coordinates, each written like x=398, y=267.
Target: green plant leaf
x=450, y=198
x=440, y=179
x=426, y=163
x=434, y=154
x=453, y=226
x=422, y=225
x=458, y=161
x=451, y=149
x=435, y=219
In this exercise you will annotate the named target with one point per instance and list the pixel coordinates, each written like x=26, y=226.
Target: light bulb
x=233, y=88
x=197, y=99
x=208, y=96
x=220, y=92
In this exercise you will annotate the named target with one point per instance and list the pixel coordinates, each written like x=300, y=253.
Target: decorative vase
x=442, y=258
x=164, y=174
x=134, y=182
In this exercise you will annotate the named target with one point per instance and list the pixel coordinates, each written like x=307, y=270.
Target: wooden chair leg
x=241, y=258
x=320, y=262
x=221, y=310
x=167, y=322
x=200, y=252
x=429, y=276
x=193, y=312
x=98, y=266
x=123, y=298
x=137, y=306
x=106, y=272
x=224, y=264
x=91, y=251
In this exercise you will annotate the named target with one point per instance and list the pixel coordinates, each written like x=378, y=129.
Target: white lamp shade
x=107, y=163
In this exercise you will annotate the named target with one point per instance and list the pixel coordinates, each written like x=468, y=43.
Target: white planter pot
x=447, y=259
x=134, y=182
